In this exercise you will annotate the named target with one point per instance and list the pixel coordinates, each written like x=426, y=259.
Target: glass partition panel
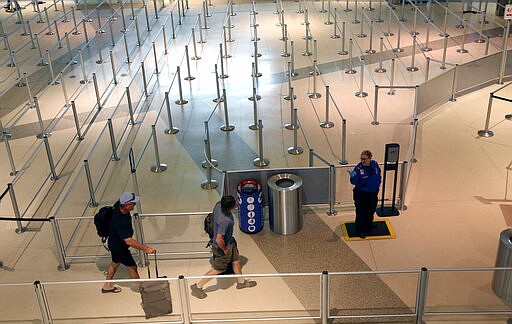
x=435, y=91
x=100, y=156
x=367, y=294
x=109, y=308
x=462, y=291
x=478, y=72
x=274, y=296
x=19, y=303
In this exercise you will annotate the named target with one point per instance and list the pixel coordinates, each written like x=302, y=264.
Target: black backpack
x=208, y=227
x=102, y=222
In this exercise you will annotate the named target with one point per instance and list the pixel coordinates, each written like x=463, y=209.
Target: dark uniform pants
x=366, y=203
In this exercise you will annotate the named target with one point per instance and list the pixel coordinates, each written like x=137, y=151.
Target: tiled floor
x=457, y=194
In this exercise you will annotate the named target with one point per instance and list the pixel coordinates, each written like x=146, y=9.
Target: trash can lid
x=248, y=187
x=284, y=182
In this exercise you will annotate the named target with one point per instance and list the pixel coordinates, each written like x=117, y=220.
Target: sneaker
x=246, y=284
x=197, y=292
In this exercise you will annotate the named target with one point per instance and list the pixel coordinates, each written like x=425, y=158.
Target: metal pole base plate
x=20, y=230
x=412, y=68
x=63, y=267
x=214, y=163
x=380, y=70
x=388, y=34
x=508, y=117
x=93, y=204
x=84, y=81
x=295, y=150
x=426, y=49
x=462, y=50
x=258, y=97
x=217, y=100
x=44, y=134
x=181, y=102
x=307, y=53
x=331, y=213
x=190, y=78
x=342, y=52
x=361, y=94
x=227, y=128
x=288, y=97
x=261, y=162
x=370, y=51
x=485, y=133
x=291, y=126
x=314, y=95
x=362, y=35
x=343, y=162
x=398, y=50
x=208, y=185
x=335, y=36
x=253, y=127
x=158, y=168
x=350, y=71
x=327, y=124
x=479, y=40
x=285, y=54
x=173, y=130
x=42, y=63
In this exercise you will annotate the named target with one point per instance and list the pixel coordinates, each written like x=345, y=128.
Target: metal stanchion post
x=413, y=68
x=380, y=69
x=16, y=210
x=181, y=101
x=219, y=97
x=130, y=107
x=64, y=91
x=326, y=123
x=144, y=80
x=260, y=161
x=171, y=129
x=462, y=50
x=343, y=160
x=96, y=90
x=84, y=26
x=295, y=149
x=82, y=65
x=164, y=35
x=5, y=136
x=53, y=81
x=60, y=247
x=155, y=58
x=113, y=66
x=112, y=140
x=127, y=51
x=158, y=166
x=314, y=94
x=79, y=135
x=189, y=77
x=199, y=27
x=137, y=31
x=370, y=49
x=43, y=132
x=208, y=183
x=293, y=121
x=42, y=62
x=92, y=201
x=398, y=49
x=207, y=149
x=486, y=132
x=71, y=61
x=445, y=47
x=361, y=93
x=226, y=127
x=222, y=74
x=195, y=57
x=54, y=176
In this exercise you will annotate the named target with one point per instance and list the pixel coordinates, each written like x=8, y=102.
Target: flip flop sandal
x=114, y=290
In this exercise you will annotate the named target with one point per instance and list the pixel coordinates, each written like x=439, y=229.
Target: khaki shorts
x=221, y=261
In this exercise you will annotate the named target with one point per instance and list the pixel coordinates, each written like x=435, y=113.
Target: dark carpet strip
x=316, y=248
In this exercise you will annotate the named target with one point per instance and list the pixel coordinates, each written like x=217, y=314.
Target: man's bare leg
x=111, y=271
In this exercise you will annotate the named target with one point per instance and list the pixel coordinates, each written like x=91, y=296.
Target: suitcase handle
x=156, y=268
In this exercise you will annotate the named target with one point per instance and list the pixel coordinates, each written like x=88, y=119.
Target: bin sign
x=250, y=209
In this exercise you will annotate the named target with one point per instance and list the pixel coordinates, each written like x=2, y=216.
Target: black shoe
x=197, y=292
x=362, y=235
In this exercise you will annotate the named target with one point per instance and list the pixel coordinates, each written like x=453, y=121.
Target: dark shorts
x=123, y=256
x=221, y=261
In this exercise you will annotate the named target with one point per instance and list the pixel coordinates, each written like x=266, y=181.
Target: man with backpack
x=224, y=247
x=120, y=239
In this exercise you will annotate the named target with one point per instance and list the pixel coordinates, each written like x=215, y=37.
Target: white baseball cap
x=128, y=197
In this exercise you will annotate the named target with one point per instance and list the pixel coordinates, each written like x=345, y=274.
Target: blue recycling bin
x=250, y=208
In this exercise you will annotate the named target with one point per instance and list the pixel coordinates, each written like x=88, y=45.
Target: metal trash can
x=250, y=209
x=285, y=203
x=502, y=279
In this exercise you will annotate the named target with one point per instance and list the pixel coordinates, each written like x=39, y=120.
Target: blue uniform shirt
x=367, y=178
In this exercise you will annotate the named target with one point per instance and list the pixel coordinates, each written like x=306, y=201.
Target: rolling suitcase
x=156, y=296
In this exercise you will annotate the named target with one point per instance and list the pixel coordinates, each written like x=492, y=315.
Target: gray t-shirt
x=223, y=224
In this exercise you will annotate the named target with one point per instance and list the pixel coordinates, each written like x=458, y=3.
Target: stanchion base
x=181, y=102
x=342, y=52
x=312, y=72
x=227, y=128
x=63, y=267
x=307, y=53
x=44, y=134
x=93, y=204
x=223, y=76
x=462, y=50
x=115, y=158
x=485, y=133
x=213, y=162
x=285, y=54
x=170, y=131
x=217, y=100
x=291, y=126
x=20, y=230
x=294, y=73
x=379, y=20
x=362, y=35
x=347, y=10
x=355, y=21
x=426, y=49
x=414, y=33
x=208, y=185
x=361, y=94
x=370, y=51
x=375, y=122
x=205, y=27
x=56, y=82
x=5, y=135
x=73, y=62
x=189, y=78
x=350, y=71
x=158, y=168
x=479, y=41
x=322, y=11
x=343, y=162
x=389, y=34
x=195, y=58
x=508, y=117
x=328, y=22
x=391, y=93
x=257, y=75
x=335, y=36
x=76, y=32
x=226, y=56
x=288, y=97
x=258, y=97
x=295, y=150
x=50, y=33
x=84, y=81
x=12, y=174
x=398, y=50
x=327, y=124
x=300, y=11
x=261, y=162
x=459, y=26
x=99, y=62
x=331, y=213
x=412, y=68
x=21, y=83
x=253, y=127
x=134, y=123
x=380, y=70
x=314, y=95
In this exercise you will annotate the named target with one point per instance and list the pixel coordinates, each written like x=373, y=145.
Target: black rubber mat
x=381, y=230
